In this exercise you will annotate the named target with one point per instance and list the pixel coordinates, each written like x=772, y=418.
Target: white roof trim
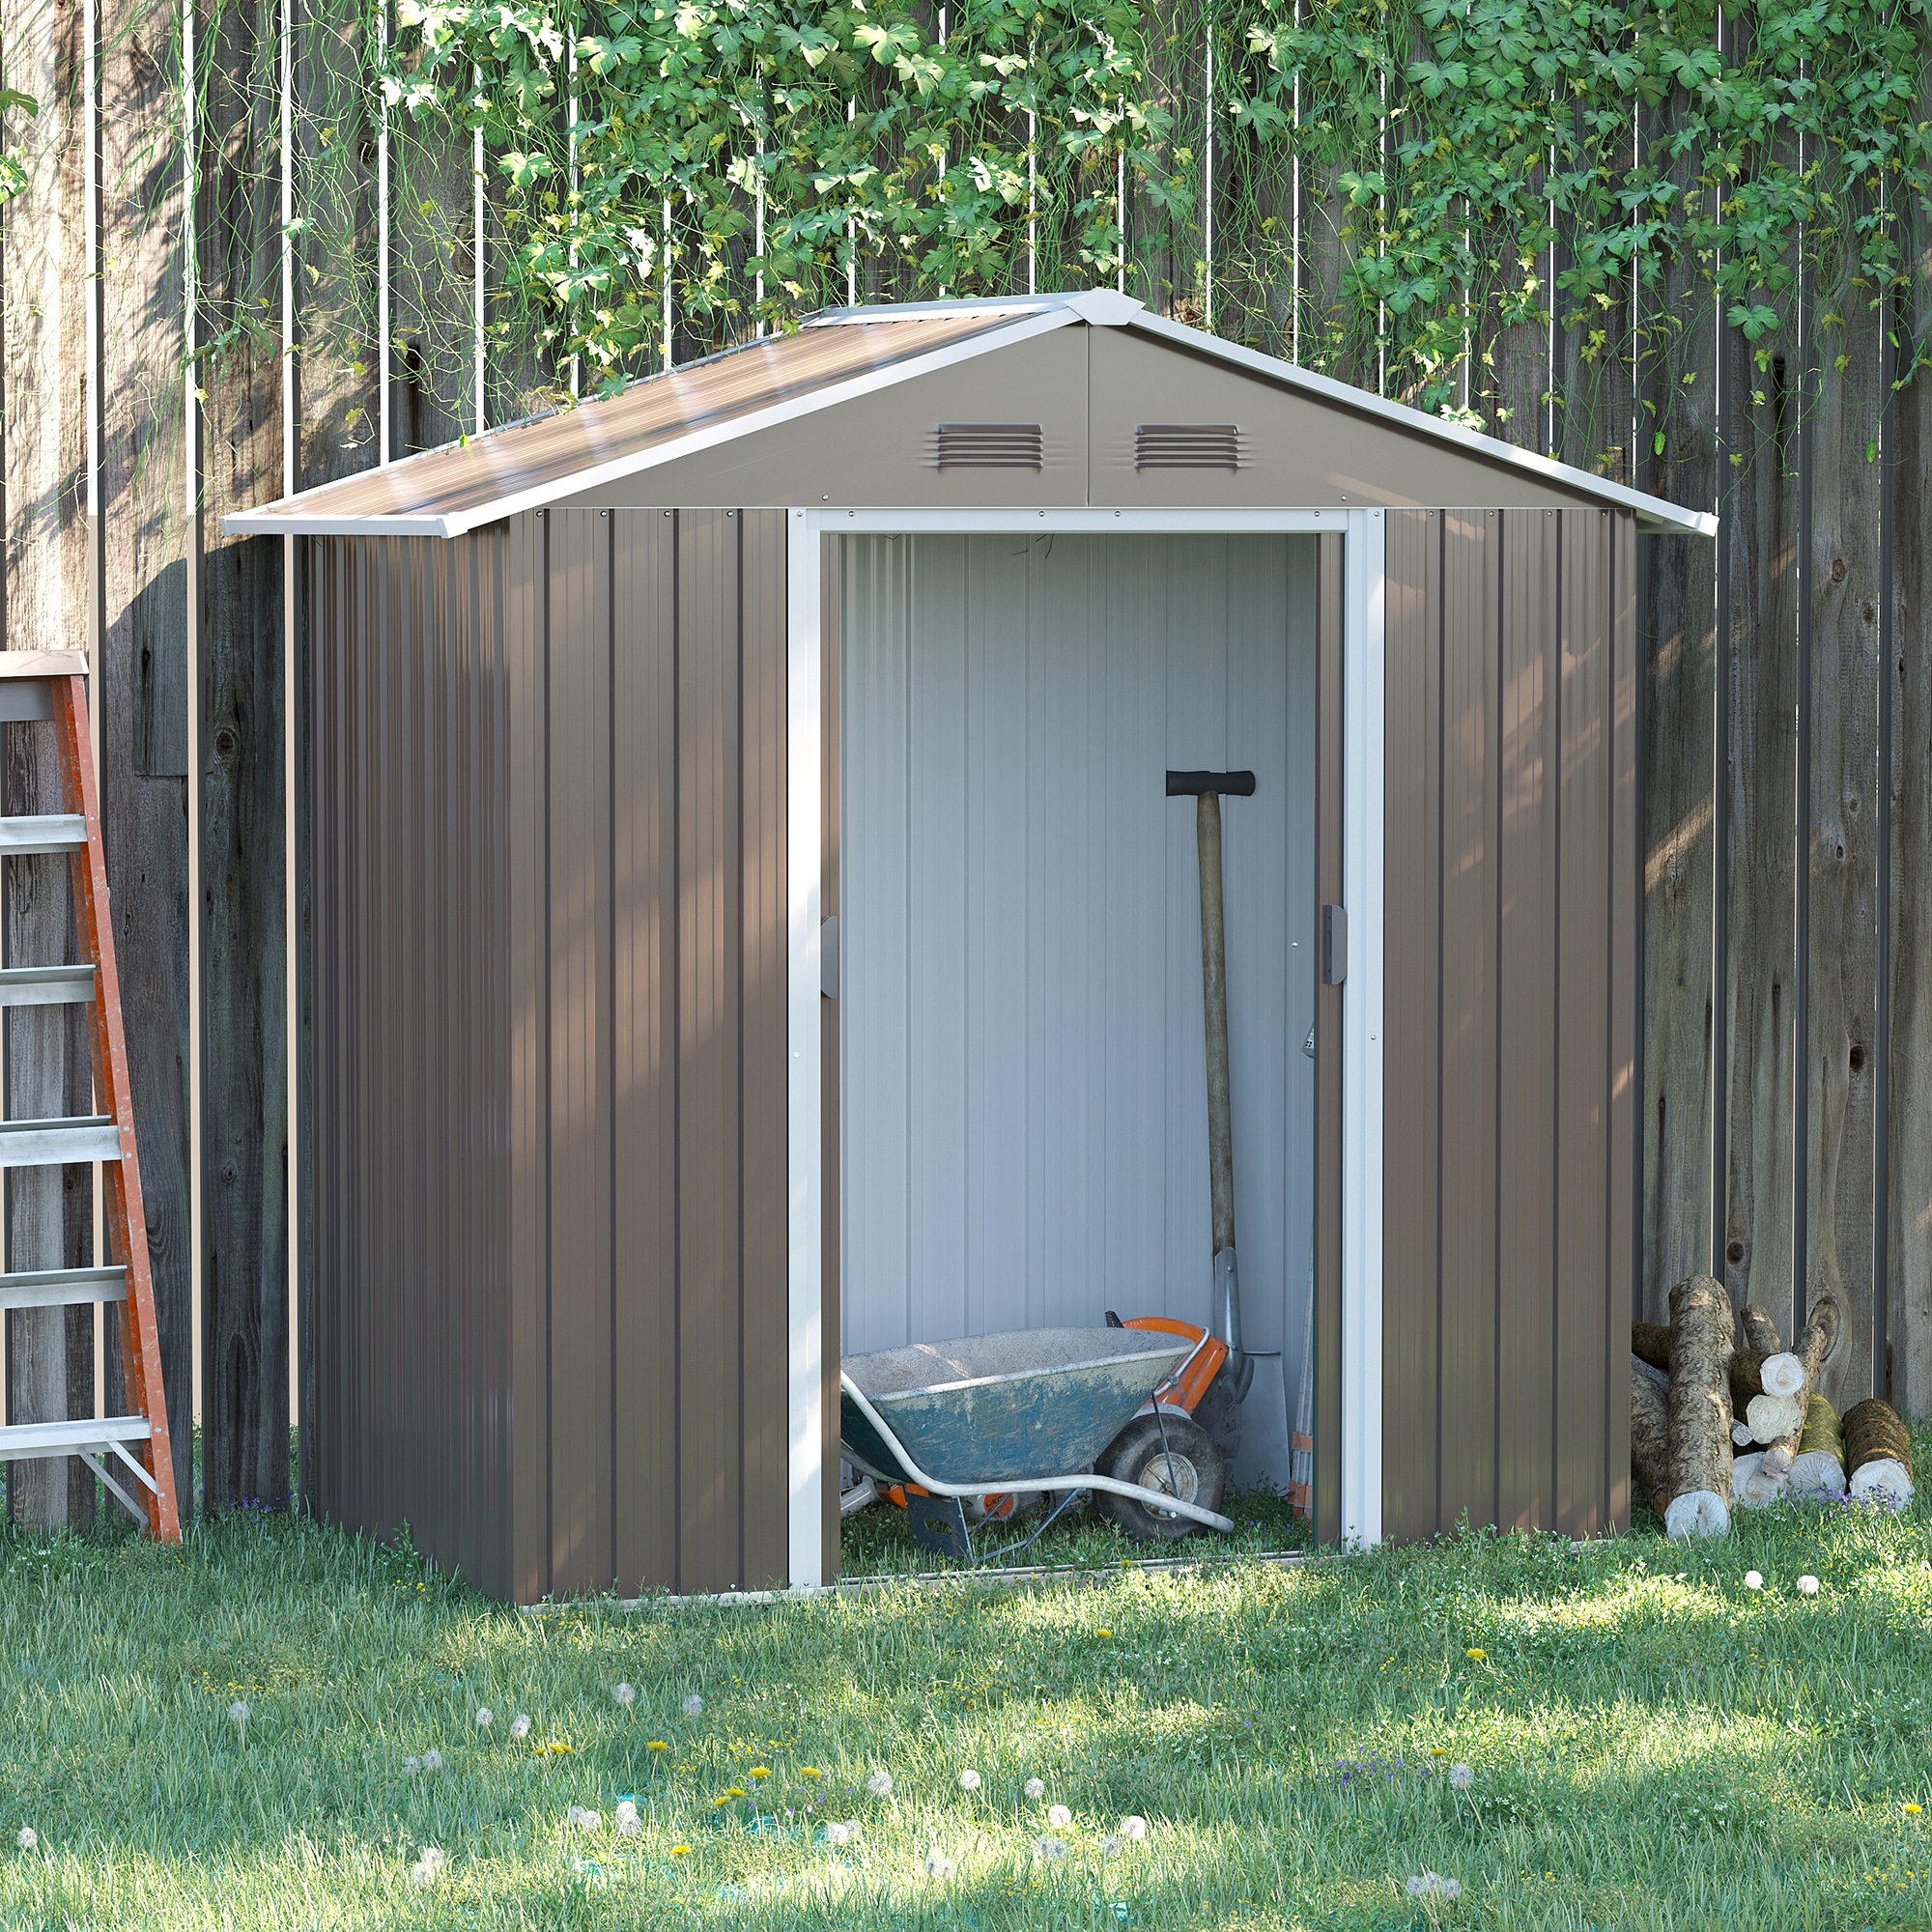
x=284, y=519
x=1031, y=315
x=1655, y=511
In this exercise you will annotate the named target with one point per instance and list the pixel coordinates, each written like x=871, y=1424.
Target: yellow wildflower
x=759, y=1771
x=809, y=1771
x=679, y=1850
x=1477, y=1656
x=1913, y=1810
x=657, y=1744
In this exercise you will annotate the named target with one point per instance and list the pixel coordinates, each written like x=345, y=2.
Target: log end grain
x=1781, y=1374
x=1696, y=1513
x=1817, y=1476
x=1883, y=1479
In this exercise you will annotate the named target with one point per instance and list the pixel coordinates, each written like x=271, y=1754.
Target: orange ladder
x=52, y=685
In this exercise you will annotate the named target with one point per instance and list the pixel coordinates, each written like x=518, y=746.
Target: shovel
x=1207, y=789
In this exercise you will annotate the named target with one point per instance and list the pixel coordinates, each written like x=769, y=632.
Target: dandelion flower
x=1476, y=1656
x=519, y=1728
x=1036, y=1789
x=880, y=1784
x=1050, y=1851
x=969, y=1780
x=1110, y=1847
x=485, y=1718
x=1133, y=1828
x=1059, y=1815
x=694, y=1706
x=1807, y=1586
x=625, y=1695
x=27, y=1838
x=680, y=1851
x=809, y=1771
x=1461, y=1777
x=1437, y=1751
x=432, y=1760
x=1754, y=1579
x=761, y=1771
x=411, y=1764
x=1913, y=1810
x=657, y=1744
x=1103, y=1633
x=938, y=1865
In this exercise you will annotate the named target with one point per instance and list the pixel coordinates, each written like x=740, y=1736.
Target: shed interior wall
x=1023, y=1087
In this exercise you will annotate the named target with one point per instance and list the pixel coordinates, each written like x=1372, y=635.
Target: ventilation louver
x=1187, y=446
x=989, y=446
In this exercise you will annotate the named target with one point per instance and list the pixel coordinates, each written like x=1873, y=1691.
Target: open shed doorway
x=1021, y=1069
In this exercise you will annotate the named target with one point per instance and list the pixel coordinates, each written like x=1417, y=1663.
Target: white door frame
x=1362, y=863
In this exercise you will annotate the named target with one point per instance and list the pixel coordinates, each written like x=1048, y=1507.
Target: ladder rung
x=64, y=832
x=62, y=1288
x=56, y=1142
x=45, y=985
x=25, y=1441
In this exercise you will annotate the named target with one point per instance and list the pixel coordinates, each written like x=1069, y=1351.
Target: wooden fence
x=167, y=268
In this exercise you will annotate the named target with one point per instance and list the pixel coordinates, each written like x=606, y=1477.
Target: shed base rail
x=1112, y=1484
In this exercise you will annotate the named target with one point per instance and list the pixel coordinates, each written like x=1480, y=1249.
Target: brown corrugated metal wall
x=409, y=1015
x=549, y=1132
x=1511, y=952
x=649, y=1078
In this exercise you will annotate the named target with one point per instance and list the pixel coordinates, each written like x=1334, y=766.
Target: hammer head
x=1226, y=785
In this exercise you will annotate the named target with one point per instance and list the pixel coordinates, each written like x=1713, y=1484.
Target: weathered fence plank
x=1841, y=556
x=1677, y=588
x=140, y=690
x=245, y=1107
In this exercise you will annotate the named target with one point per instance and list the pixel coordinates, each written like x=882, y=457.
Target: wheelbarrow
x=1014, y=1418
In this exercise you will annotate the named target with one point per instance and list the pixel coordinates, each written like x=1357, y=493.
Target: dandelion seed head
x=694, y=1706
x=1461, y=1777
x=1058, y=1814
x=434, y=1858
x=1036, y=1788
x=432, y=1760
x=585, y=1820
x=938, y=1865
x=627, y=1807
x=835, y=1834
x=420, y=1874
x=1754, y=1579
x=411, y=1764
x=1110, y=1846
x=1133, y=1828
x=880, y=1784
x=1050, y=1851
x=519, y=1728
x=625, y=1695
x=969, y=1780
x=1807, y=1586
x=237, y=1713
x=485, y=1718
x=27, y=1838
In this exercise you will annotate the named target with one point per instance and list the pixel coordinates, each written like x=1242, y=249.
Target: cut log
x=1818, y=1469
x=1650, y=1433
x=1751, y=1486
x=1698, y=1407
x=1650, y=1342
x=1885, y=1478
x=1782, y=1373
x=1772, y=1416
x=1815, y=1347
x=1759, y=1330
x=1874, y=1433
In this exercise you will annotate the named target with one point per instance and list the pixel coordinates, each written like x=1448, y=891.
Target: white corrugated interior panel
x=1023, y=1087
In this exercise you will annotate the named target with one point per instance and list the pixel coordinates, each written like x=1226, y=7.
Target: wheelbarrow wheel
x=1185, y=1464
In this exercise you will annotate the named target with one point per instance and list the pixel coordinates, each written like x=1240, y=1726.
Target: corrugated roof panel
x=458, y=480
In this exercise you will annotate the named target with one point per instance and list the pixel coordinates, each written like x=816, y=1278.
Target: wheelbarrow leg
x=938, y=1524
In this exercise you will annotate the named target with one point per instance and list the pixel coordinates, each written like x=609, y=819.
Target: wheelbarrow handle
x=1112, y=1484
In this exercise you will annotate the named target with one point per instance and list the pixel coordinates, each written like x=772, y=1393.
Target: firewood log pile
x=1725, y=1417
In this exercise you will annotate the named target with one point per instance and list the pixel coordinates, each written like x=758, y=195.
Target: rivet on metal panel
x=603, y=513
x=667, y=512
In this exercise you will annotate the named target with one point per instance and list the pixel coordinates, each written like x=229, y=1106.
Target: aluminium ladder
x=51, y=686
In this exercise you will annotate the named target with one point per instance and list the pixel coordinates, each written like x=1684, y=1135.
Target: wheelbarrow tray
x=1003, y=1408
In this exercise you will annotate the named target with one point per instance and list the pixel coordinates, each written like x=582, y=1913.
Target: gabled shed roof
x=834, y=357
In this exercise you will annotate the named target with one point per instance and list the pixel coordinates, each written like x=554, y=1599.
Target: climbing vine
x=1420, y=195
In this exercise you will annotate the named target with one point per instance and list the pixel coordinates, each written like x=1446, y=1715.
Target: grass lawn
x=1649, y=1741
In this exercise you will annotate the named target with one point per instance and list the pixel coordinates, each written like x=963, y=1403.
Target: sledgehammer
x=1206, y=790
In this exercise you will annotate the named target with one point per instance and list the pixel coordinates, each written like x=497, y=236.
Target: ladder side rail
x=125, y=1210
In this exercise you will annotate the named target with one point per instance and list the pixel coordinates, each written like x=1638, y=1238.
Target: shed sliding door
x=1024, y=1137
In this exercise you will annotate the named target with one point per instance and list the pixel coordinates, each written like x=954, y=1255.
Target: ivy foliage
x=1410, y=192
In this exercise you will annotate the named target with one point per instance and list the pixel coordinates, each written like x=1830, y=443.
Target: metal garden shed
x=741, y=913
